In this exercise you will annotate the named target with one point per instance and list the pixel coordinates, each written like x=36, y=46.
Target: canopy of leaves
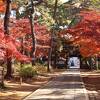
x=87, y=33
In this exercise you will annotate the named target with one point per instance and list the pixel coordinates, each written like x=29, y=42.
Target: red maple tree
x=87, y=33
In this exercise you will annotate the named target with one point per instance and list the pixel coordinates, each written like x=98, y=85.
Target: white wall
x=76, y=62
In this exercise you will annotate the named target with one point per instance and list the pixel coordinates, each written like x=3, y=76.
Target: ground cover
x=91, y=80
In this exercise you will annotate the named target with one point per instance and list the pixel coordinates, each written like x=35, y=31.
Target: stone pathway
x=67, y=86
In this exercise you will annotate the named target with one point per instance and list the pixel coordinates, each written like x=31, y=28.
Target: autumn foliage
x=11, y=45
x=21, y=29
x=3, y=6
x=87, y=33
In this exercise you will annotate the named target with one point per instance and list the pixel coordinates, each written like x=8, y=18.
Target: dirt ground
x=16, y=91
x=92, y=83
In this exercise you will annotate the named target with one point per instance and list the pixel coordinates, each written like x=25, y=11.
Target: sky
x=64, y=1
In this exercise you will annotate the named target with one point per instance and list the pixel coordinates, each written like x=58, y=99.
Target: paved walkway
x=67, y=86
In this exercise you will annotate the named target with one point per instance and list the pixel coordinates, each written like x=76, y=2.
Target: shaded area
x=67, y=86
x=92, y=83
x=68, y=81
x=15, y=91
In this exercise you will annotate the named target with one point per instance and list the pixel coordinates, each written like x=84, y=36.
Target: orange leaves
x=41, y=51
x=87, y=33
x=2, y=6
x=1, y=1
x=91, y=16
x=22, y=28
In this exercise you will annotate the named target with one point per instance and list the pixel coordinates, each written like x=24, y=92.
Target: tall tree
x=6, y=32
x=31, y=18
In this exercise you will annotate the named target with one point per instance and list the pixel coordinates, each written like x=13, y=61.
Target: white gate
x=74, y=63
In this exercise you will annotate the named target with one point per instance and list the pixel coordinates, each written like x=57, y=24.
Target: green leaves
x=96, y=4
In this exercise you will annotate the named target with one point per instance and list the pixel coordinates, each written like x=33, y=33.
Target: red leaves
x=41, y=51
x=91, y=16
x=2, y=8
x=2, y=54
x=87, y=33
x=20, y=29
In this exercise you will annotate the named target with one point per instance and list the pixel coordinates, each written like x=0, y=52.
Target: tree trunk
x=55, y=59
x=33, y=39
x=22, y=50
x=1, y=77
x=97, y=63
x=51, y=42
x=31, y=19
x=9, y=68
x=55, y=10
x=6, y=32
x=49, y=60
x=6, y=18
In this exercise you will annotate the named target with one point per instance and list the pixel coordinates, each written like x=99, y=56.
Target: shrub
x=27, y=72
x=40, y=68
